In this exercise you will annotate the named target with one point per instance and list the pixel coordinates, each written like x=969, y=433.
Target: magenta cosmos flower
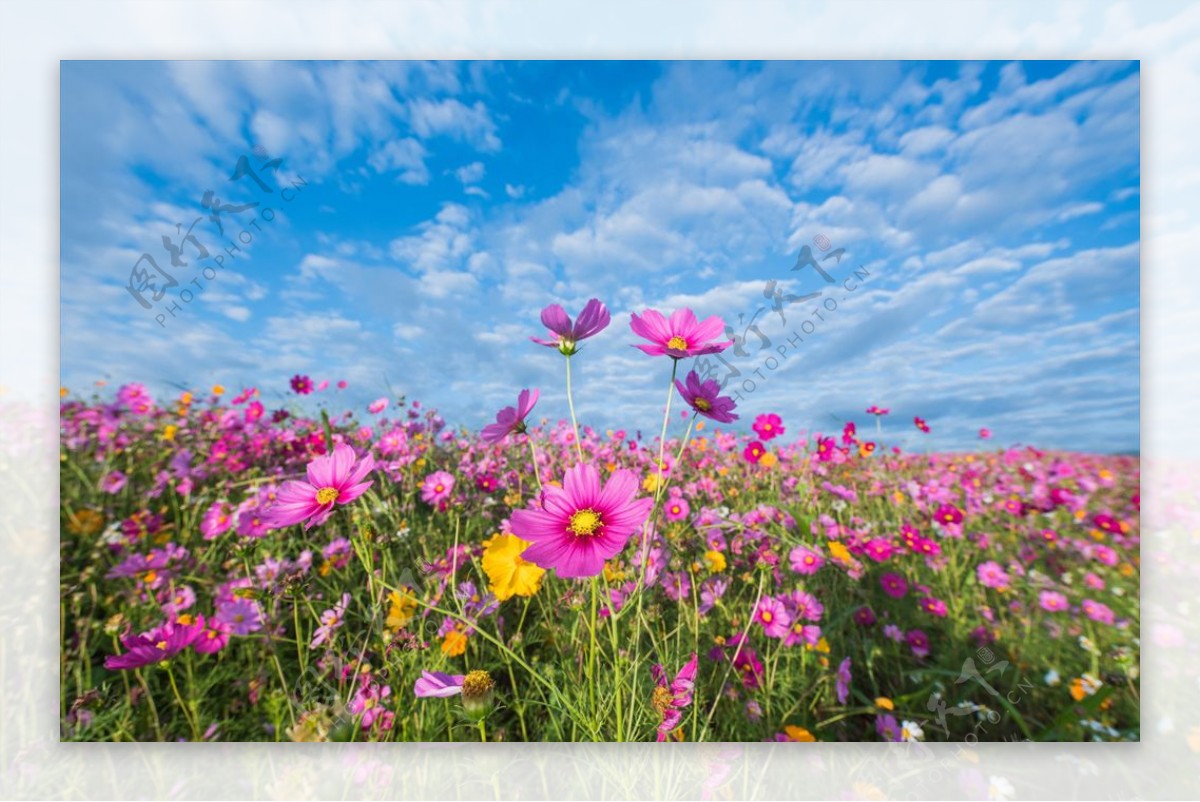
x=566, y=335
x=301, y=385
x=672, y=696
x=679, y=336
x=581, y=524
x=768, y=426
x=511, y=420
x=333, y=479
x=705, y=397
x=155, y=646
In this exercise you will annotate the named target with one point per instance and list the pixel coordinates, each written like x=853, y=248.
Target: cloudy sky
x=979, y=222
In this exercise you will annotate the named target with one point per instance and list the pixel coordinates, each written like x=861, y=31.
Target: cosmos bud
x=477, y=693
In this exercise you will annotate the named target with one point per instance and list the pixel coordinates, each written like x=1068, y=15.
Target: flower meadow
x=233, y=572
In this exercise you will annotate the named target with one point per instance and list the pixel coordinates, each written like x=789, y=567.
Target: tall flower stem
x=187, y=713
x=533, y=450
x=662, y=439
x=574, y=423
x=592, y=653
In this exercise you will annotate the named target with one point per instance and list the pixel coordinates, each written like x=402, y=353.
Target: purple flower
x=843, y=681
x=934, y=606
x=705, y=397
x=894, y=585
x=331, y=622
x=242, y=616
x=991, y=575
x=511, y=420
x=155, y=646
x=113, y=482
x=566, y=335
x=439, y=685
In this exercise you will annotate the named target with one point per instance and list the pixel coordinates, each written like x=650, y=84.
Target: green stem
x=533, y=450
x=183, y=705
x=574, y=424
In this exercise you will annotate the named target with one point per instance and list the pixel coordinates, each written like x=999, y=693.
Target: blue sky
x=993, y=208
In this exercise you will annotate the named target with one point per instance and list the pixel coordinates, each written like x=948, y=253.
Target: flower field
x=233, y=572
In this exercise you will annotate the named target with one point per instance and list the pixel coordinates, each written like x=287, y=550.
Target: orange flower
x=455, y=643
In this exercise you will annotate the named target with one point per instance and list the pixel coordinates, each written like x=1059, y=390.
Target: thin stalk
x=574, y=423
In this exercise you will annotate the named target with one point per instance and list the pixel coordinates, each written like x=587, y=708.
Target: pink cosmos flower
x=680, y=336
x=581, y=524
x=436, y=488
x=918, y=641
x=921, y=424
x=217, y=520
x=332, y=479
x=753, y=452
x=1097, y=611
x=301, y=385
x=113, y=482
x=438, y=685
x=1052, y=601
x=805, y=561
x=511, y=420
x=768, y=426
x=377, y=406
x=671, y=697
x=155, y=646
x=894, y=585
x=773, y=616
x=991, y=575
x=934, y=606
x=985, y=433
x=566, y=335
x=677, y=509
x=705, y=397
x=877, y=411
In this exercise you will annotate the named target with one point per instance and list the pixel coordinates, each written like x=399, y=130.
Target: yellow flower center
x=477, y=684
x=162, y=644
x=677, y=344
x=702, y=404
x=661, y=699
x=439, y=488
x=585, y=522
x=327, y=495
x=767, y=617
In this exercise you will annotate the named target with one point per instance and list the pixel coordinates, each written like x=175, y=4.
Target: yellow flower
x=62, y=392
x=884, y=703
x=650, y=484
x=838, y=551
x=795, y=733
x=218, y=389
x=700, y=426
x=508, y=573
x=715, y=560
x=768, y=460
x=185, y=398
x=404, y=607
x=454, y=644
x=85, y=522
x=169, y=431
x=613, y=575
